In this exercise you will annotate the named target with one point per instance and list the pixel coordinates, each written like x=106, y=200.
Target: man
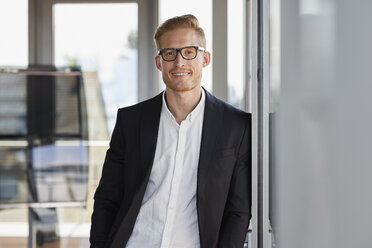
x=178, y=170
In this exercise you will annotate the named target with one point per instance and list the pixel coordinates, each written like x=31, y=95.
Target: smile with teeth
x=180, y=73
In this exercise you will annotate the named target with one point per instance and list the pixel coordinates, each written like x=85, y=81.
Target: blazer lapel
x=149, y=126
x=213, y=114
x=212, y=123
x=150, y=119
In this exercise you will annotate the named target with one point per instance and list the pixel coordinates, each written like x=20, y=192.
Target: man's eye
x=169, y=53
x=189, y=52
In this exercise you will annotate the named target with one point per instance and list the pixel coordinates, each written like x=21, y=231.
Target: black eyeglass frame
x=179, y=50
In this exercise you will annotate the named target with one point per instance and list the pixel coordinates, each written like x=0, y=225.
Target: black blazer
x=223, y=183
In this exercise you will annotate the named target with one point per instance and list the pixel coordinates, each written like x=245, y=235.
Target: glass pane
x=33, y=162
x=12, y=104
x=102, y=40
x=274, y=55
x=236, y=52
x=58, y=177
x=67, y=105
x=274, y=96
x=203, y=11
x=14, y=26
x=13, y=181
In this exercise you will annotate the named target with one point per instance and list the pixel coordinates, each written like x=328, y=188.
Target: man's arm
x=237, y=212
x=109, y=193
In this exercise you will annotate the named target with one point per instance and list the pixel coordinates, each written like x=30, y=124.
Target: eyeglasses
x=188, y=53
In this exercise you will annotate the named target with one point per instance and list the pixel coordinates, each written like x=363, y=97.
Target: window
x=14, y=33
x=102, y=40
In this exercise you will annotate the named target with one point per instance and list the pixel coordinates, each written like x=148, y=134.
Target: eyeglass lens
x=170, y=54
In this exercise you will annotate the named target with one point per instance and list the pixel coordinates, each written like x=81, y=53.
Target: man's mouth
x=177, y=74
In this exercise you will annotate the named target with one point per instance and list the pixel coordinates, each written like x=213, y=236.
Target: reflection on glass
x=40, y=104
x=54, y=173
x=102, y=39
x=274, y=96
x=14, y=32
x=13, y=180
x=274, y=54
x=67, y=105
x=12, y=104
x=60, y=172
x=43, y=157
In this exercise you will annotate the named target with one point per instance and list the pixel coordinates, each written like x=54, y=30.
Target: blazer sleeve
x=237, y=212
x=109, y=193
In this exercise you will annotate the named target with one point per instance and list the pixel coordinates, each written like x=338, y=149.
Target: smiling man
x=178, y=170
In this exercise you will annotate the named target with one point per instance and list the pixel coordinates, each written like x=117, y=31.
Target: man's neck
x=180, y=104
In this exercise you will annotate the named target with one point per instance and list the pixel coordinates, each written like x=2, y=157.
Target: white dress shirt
x=168, y=216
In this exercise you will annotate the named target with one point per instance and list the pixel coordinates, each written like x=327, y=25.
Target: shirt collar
x=191, y=116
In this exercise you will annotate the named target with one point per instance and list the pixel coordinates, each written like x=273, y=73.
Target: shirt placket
x=175, y=184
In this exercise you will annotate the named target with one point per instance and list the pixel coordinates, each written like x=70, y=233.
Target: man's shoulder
x=150, y=105
x=229, y=110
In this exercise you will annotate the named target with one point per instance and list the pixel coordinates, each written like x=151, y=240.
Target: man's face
x=180, y=74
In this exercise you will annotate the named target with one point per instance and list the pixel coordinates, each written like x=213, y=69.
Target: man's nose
x=179, y=59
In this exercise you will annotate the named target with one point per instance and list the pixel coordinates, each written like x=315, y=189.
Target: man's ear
x=206, y=58
x=158, y=63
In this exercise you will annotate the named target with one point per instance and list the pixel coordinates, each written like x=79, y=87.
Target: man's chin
x=182, y=88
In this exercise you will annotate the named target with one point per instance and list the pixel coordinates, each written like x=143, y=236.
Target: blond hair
x=184, y=21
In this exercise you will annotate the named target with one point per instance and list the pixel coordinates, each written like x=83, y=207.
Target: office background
x=301, y=67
